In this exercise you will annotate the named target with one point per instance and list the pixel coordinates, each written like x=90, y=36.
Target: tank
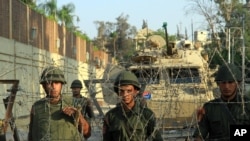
x=175, y=80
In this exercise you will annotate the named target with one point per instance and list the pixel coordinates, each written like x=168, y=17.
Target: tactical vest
x=50, y=124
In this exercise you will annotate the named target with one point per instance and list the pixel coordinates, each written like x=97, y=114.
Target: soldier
x=86, y=104
x=129, y=120
x=53, y=118
x=217, y=115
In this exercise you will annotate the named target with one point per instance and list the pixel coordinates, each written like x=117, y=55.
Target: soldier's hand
x=69, y=111
x=200, y=113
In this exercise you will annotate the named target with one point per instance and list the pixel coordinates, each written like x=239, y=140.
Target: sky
x=155, y=12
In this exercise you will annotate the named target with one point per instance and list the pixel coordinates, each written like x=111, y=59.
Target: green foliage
x=82, y=35
x=30, y=3
x=64, y=15
x=217, y=58
x=115, y=36
x=95, y=48
x=161, y=32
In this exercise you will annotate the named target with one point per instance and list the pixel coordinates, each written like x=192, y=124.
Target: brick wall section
x=100, y=58
x=68, y=42
x=60, y=37
x=17, y=21
x=33, y=21
x=80, y=50
x=89, y=50
x=4, y=18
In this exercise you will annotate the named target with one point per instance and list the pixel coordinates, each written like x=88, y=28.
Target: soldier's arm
x=30, y=126
x=152, y=129
x=105, y=130
x=89, y=109
x=84, y=127
x=201, y=130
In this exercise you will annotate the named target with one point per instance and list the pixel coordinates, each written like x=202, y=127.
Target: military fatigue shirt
x=137, y=124
x=219, y=115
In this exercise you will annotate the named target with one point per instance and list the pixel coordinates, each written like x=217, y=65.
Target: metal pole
x=243, y=54
x=229, y=45
x=233, y=46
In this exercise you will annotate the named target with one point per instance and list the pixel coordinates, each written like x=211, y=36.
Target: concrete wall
x=23, y=54
x=26, y=63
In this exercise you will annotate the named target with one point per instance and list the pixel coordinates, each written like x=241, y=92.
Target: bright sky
x=155, y=12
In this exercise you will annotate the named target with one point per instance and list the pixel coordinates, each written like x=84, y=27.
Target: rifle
x=8, y=103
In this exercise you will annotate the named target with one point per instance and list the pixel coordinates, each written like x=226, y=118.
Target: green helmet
x=52, y=74
x=76, y=84
x=126, y=78
x=228, y=72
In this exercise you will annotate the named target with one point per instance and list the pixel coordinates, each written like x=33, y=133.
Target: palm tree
x=49, y=9
x=30, y=3
x=66, y=15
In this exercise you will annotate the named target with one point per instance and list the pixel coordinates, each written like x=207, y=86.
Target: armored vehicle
x=175, y=80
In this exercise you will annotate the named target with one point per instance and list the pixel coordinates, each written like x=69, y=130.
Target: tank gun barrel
x=169, y=47
x=166, y=32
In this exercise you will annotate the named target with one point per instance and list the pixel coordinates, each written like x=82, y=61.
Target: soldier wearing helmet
x=129, y=120
x=54, y=117
x=216, y=116
x=86, y=104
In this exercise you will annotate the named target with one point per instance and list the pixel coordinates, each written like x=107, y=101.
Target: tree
x=66, y=15
x=209, y=10
x=104, y=29
x=49, y=9
x=116, y=36
x=30, y=3
x=161, y=32
x=217, y=14
x=144, y=24
x=237, y=19
x=222, y=15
